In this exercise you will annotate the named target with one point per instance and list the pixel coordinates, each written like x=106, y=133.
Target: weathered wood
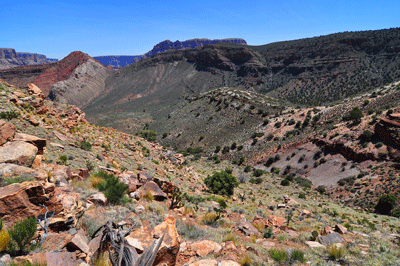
x=119, y=250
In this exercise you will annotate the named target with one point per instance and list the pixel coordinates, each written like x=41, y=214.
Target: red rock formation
x=44, y=76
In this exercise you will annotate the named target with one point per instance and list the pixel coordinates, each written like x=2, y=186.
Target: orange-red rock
x=7, y=131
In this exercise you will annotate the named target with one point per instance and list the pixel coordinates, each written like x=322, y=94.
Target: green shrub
x=229, y=170
x=302, y=195
x=354, y=115
x=63, y=159
x=278, y=255
x=314, y=235
x=366, y=136
x=247, y=169
x=278, y=124
x=268, y=232
x=226, y=149
x=221, y=183
x=257, y=180
x=112, y=187
x=233, y=146
x=321, y=189
x=385, y=204
x=285, y=182
x=297, y=255
x=258, y=172
x=275, y=170
x=18, y=179
x=21, y=235
x=9, y=115
x=149, y=135
x=84, y=145
x=303, y=182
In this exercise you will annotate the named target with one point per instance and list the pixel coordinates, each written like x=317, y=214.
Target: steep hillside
x=46, y=75
x=86, y=82
x=10, y=58
x=157, y=84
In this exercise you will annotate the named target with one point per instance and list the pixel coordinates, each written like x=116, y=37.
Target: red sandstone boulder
x=275, y=221
x=189, y=251
x=50, y=259
x=7, y=131
x=21, y=200
x=168, y=252
x=8, y=170
x=18, y=152
x=35, y=90
x=38, y=142
x=154, y=189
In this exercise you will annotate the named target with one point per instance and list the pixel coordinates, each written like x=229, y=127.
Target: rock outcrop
x=22, y=200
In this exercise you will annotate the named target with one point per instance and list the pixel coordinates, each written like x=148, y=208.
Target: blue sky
x=56, y=28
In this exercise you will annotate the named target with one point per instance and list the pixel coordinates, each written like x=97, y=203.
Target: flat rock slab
x=214, y=263
x=38, y=142
x=330, y=239
x=53, y=258
x=314, y=244
x=18, y=152
x=13, y=170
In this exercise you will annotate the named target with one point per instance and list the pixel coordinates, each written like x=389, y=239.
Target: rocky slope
x=47, y=75
x=167, y=45
x=10, y=58
x=260, y=220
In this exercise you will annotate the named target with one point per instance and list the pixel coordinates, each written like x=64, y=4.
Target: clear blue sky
x=56, y=28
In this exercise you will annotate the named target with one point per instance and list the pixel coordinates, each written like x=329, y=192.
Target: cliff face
x=10, y=58
x=167, y=45
x=44, y=75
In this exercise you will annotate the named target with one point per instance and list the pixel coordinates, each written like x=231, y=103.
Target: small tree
x=112, y=187
x=21, y=236
x=149, y=135
x=221, y=183
x=385, y=204
x=354, y=115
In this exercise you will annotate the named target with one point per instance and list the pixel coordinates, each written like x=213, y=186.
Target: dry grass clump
x=209, y=218
x=101, y=260
x=95, y=180
x=233, y=238
x=260, y=227
x=335, y=252
x=148, y=196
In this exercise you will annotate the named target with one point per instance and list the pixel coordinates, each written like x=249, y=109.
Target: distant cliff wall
x=10, y=58
x=167, y=45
